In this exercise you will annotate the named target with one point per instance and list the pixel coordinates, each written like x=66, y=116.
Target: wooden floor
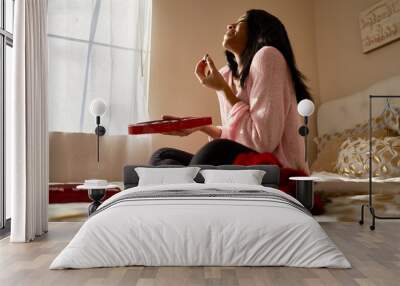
x=375, y=257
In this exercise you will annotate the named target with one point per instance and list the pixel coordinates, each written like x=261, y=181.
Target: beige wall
x=73, y=156
x=184, y=30
x=342, y=67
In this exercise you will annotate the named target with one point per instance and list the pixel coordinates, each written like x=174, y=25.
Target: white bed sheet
x=206, y=231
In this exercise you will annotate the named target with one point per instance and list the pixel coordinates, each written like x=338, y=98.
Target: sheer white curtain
x=98, y=49
x=26, y=130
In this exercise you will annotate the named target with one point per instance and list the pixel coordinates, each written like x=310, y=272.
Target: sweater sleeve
x=224, y=72
x=260, y=123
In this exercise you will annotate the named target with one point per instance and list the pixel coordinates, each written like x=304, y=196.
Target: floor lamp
x=304, y=185
x=305, y=108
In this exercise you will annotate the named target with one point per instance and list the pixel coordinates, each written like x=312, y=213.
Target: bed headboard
x=351, y=110
x=270, y=179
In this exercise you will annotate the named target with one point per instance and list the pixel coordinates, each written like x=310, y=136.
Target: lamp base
x=96, y=195
x=305, y=193
x=303, y=130
x=100, y=130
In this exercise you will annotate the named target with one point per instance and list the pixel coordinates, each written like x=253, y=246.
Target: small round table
x=96, y=194
x=305, y=190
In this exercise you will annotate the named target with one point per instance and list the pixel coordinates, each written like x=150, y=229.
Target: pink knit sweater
x=265, y=119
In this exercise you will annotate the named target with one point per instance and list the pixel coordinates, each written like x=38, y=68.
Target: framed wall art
x=380, y=24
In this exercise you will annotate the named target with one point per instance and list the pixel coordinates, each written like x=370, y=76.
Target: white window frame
x=6, y=39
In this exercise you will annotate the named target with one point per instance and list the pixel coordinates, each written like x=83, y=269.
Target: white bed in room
x=345, y=113
x=201, y=224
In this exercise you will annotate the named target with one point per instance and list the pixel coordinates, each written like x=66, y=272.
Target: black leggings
x=216, y=152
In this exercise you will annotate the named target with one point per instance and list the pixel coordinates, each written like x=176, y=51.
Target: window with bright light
x=98, y=49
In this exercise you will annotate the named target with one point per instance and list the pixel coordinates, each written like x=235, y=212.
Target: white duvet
x=200, y=231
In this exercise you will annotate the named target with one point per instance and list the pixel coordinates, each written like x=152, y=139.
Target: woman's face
x=235, y=38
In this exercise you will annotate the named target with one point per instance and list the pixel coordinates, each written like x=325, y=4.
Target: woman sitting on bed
x=258, y=91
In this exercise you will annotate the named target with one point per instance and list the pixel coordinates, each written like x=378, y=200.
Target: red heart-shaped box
x=168, y=125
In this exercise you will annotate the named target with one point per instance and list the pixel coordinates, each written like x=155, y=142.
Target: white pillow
x=163, y=176
x=248, y=177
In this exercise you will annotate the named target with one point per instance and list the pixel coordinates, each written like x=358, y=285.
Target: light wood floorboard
x=375, y=257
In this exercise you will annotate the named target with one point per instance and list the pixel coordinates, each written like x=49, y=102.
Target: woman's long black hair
x=265, y=29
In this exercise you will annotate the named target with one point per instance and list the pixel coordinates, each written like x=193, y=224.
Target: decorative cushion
x=392, y=118
x=388, y=120
x=328, y=155
x=353, y=158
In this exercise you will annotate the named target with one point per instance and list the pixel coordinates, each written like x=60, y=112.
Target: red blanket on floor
x=68, y=193
x=285, y=184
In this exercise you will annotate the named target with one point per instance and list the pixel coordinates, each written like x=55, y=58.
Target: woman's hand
x=182, y=132
x=209, y=75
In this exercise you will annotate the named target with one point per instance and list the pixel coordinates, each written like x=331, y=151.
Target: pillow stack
x=330, y=146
